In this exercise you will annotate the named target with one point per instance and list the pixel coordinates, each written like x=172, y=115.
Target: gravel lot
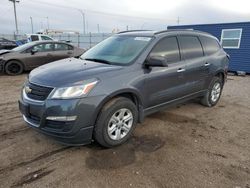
x=186, y=146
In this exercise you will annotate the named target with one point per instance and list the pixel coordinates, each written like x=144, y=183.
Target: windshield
x=23, y=47
x=117, y=49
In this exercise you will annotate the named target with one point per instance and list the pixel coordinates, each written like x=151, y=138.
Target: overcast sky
x=110, y=14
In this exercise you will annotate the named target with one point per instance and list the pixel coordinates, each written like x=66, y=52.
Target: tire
x=109, y=130
x=14, y=67
x=213, y=93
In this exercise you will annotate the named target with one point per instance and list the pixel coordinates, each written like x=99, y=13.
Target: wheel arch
x=24, y=67
x=220, y=74
x=131, y=94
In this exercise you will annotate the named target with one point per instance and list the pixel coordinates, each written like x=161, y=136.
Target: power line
x=100, y=12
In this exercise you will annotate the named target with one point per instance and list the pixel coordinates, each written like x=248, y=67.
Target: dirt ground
x=186, y=146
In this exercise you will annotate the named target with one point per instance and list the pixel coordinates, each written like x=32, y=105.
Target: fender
x=132, y=91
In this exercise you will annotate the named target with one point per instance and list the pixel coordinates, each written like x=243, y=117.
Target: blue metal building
x=235, y=39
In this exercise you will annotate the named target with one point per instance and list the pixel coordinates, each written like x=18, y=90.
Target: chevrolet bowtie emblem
x=27, y=89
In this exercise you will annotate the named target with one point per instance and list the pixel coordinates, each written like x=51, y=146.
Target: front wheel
x=213, y=94
x=116, y=122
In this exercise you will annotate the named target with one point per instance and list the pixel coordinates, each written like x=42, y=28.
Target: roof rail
x=196, y=31
x=132, y=31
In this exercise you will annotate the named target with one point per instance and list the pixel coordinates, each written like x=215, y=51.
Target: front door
x=164, y=84
x=62, y=51
x=42, y=55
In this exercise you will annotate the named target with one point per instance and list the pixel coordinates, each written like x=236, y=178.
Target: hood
x=2, y=52
x=67, y=71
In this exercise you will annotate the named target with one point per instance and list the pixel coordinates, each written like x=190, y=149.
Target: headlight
x=74, y=91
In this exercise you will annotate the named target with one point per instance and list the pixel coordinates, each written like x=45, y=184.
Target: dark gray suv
x=103, y=94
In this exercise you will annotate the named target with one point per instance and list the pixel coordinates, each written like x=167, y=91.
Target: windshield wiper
x=98, y=60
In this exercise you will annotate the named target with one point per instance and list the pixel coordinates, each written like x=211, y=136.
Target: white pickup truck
x=37, y=37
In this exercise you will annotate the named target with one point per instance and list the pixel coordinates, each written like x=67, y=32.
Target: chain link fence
x=81, y=40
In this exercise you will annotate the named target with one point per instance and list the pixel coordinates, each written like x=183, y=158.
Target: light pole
x=83, y=20
x=98, y=28
x=47, y=22
x=31, y=21
x=14, y=3
x=143, y=25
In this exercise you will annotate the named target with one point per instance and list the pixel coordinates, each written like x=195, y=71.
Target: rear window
x=209, y=44
x=190, y=47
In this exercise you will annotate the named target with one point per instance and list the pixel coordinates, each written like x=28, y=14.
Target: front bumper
x=75, y=132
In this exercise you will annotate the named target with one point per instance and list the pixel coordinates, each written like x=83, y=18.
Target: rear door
x=62, y=51
x=163, y=84
x=196, y=69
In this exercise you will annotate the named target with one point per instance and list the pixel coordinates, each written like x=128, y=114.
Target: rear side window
x=34, y=38
x=167, y=47
x=190, y=47
x=70, y=47
x=62, y=47
x=209, y=44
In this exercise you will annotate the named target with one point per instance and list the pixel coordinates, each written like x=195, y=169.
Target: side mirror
x=156, y=61
x=33, y=51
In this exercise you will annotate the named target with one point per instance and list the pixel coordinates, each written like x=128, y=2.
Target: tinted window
x=34, y=38
x=167, y=47
x=190, y=47
x=210, y=45
x=70, y=47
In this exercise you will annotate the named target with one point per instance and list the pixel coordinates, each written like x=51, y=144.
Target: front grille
x=37, y=92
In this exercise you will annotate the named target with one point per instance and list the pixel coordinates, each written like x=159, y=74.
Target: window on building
x=230, y=38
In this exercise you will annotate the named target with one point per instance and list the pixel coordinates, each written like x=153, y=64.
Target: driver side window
x=168, y=48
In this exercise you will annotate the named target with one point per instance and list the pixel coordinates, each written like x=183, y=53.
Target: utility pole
x=14, y=3
x=178, y=20
x=47, y=22
x=98, y=28
x=31, y=21
x=127, y=27
x=83, y=20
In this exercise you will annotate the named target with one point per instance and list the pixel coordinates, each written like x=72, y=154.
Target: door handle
x=181, y=70
x=206, y=64
x=70, y=53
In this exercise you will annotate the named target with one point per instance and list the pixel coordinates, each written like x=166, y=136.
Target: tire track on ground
x=38, y=158
x=14, y=132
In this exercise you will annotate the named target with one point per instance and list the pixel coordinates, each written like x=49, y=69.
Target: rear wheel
x=213, y=94
x=116, y=122
x=14, y=67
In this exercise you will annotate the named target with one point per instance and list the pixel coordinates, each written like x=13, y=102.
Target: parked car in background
x=34, y=54
x=37, y=37
x=115, y=84
x=7, y=44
